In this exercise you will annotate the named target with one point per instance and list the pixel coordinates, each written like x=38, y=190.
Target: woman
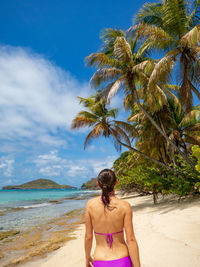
x=108, y=215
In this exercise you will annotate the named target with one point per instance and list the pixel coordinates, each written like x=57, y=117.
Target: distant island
x=91, y=184
x=38, y=184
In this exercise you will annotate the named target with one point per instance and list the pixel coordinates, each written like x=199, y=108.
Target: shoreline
x=144, y=212
x=167, y=234
x=40, y=240
x=22, y=245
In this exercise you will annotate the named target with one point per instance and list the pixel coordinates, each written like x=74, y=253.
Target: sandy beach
x=168, y=234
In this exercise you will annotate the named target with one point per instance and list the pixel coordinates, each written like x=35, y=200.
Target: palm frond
x=87, y=115
x=193, y=128
x=172, y=87
x=128, y=101
x=128, y=128
x=112, y=113
x=154, y=33
x=88, y=139
x=103, y=93
x=108, y=37
x=115, y=140
x=145, y=66
x=163, y=68
x=103, y=75
x=192, y=118
x=100, y=60
x=122, y=135
x=150, y=14
x=193, y=18
x=191, y=38
x=195, y=140
x=114, y=89
x=175, y=19
x=87, y=102
x=98, y=129
x=197, y=107
x=122, y=50
x=79, y=122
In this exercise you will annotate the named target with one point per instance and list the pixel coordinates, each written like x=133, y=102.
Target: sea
x=22, y=209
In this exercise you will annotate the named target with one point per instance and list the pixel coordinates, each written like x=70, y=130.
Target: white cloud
x=37, y=98
x=37, y=104
x=53, y=165
x=91, y=148
x=99, y=165
x=77, y=170
x=6, y=166
x=50, y=164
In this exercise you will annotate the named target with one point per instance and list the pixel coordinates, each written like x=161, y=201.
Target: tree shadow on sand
x=166, y=204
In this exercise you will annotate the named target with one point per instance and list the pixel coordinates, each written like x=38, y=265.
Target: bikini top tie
x=109, y=238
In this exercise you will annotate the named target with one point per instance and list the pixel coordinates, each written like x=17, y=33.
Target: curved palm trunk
x=142, y=154
x=194, y=89
x=186, y=93
x=160, y=130
x=155, y=195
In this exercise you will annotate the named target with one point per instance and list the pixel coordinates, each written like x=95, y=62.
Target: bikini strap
x=109, y=238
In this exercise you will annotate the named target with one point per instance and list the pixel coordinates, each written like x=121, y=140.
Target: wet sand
x=17, y=248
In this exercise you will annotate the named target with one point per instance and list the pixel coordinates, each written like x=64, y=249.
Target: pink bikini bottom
x=122, y=262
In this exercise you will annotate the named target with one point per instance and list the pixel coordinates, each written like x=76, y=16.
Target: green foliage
x=37, y=184
x=91, y=184
x=146, y=177
x=172, y=28
x=196, y=153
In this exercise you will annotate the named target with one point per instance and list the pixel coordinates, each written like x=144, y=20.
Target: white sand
x=168, y=235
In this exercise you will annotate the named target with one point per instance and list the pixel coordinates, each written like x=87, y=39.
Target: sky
x=43, y=45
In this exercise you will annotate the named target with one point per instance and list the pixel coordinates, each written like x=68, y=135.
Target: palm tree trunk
x=194, y=89
x=155, y=195
x=160, y=130
x=144, y=155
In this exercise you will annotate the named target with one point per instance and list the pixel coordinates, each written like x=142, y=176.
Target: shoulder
x=126, y=205
x=91, y=202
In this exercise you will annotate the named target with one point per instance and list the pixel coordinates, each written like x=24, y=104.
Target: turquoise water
x=22, y=209
x=16, y=196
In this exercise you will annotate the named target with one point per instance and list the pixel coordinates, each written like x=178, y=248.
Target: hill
x=38, y=184
x=91, y=184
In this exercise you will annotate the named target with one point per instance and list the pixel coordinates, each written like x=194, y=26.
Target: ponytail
x=105, y=196
x=107, y=181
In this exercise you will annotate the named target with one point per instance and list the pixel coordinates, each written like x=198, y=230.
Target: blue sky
x=42, y=50
x=43, y=45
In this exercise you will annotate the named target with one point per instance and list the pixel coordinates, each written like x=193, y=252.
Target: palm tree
x=186, y=130
x=173, y=27
x=149, y=140
x=181, y=127
x=125, y=67
x=103, y=123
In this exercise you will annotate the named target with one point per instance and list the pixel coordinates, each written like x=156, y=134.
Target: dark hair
x=107, y=181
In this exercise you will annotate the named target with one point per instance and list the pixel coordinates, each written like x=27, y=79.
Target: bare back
x=110, y=221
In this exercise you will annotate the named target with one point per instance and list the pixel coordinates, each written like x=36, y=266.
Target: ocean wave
x=36, y=205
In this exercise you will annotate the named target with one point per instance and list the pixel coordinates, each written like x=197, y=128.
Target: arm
x=88, y=236
x=130, y=237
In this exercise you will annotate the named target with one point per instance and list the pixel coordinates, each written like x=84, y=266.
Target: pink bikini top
x=109, y=238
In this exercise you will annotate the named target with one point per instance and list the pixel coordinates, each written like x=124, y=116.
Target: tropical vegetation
x=38, y=184
x=155, y=67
